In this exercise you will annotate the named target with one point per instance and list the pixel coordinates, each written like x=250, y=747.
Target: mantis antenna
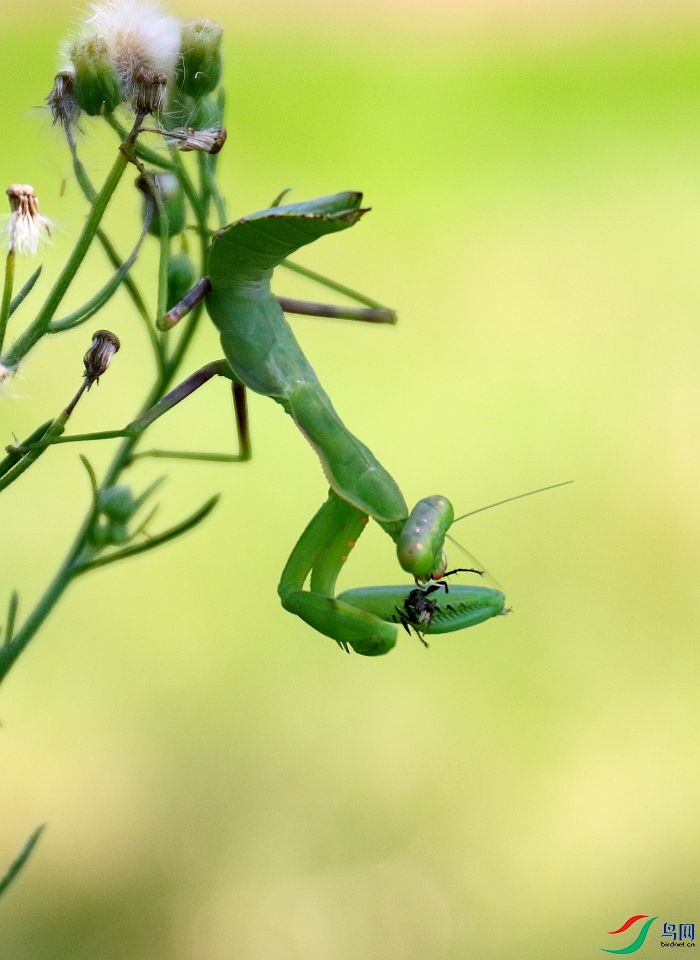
x=519, y=496
x=498, y=503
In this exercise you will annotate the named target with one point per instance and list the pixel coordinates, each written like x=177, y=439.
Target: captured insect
x=418, y=610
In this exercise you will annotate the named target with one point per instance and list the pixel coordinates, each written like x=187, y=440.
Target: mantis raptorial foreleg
x=363, y=618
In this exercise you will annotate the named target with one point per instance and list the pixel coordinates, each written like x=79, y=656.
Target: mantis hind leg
x=319, y=556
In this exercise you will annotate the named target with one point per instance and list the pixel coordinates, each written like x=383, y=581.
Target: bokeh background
x=219, y=781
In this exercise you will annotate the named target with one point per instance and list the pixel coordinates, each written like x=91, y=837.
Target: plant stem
x=7, y=295
x=75, y=560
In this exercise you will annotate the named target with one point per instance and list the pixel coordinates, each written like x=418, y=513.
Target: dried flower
x=65, y=109
x=27, y=228
x=148, y=90
x=206, y=141
x=103, y=347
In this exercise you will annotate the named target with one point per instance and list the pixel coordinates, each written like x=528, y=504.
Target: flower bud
x=199, y=67
x=171, y=197
x=99, y=535
x=103, y=347
x=180, y=278
x=118, y=533
x=117, y=503
x=96, y=84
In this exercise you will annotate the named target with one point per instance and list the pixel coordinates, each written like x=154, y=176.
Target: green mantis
x=264, y=355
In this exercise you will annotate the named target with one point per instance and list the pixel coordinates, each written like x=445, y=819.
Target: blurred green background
x=219, y=781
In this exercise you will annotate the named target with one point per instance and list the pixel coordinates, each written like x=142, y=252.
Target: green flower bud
x=180, y=277
x=171, y=197
x=95, y=84
x=199, y=67
x=117, y=503
x=118, y=533
x=99, y=535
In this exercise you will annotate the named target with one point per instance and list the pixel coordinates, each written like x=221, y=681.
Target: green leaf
x=26, y=289
x=11, y=617
x=153, y=542
x=96, y=302
x=24, y=855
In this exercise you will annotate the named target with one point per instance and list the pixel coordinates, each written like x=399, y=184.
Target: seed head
x=148, y=90
x=27, y=228
x=140, y=37
x=103, y=347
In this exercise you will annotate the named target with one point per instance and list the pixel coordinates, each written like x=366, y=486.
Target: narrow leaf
x=96, y=302
x=16, y=451
x=11, y=617
x=154, y=541
x=26, y=289
x=24, y=855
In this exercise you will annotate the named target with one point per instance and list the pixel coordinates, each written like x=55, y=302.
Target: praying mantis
x=263, y=355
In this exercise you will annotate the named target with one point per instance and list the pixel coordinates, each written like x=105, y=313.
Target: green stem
x=180, y=170
x=7, y=295
x=10, y=653
x=89, y=192
x=54, y=430
x=143, y=153
x=39, y=327
x=20, y=861
x=123, y=457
